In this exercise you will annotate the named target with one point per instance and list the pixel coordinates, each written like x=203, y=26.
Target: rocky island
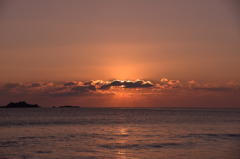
x=21, y=104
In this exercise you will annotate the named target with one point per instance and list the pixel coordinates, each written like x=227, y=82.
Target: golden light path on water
x=119, y=133
x=120, y=152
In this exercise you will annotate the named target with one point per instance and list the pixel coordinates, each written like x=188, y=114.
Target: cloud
x=88, y=83
x=11, y=85
x=115, y=87
x=117, y=90
x=164, y=80
x=84, y=88
x=72, y=83
x=212, y=87
x=137, y=84
x=74, y=88
x=233, y=83
x=161, y=86
x=174, y=82
x=29, y=87
x=168, y=84
x=104, y=87
x=60, y=88
x=36, y=85
x=108, y=85
x=127, y=84
x=80, y=89
x=192, y=82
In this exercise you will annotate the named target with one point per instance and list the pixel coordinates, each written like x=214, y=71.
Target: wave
x=211, y=136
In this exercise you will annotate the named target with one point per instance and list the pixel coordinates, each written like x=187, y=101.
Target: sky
x=121, y=53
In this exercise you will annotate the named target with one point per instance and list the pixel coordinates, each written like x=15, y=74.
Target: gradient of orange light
x=124, y=61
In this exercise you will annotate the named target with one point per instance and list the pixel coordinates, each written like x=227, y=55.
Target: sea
x=119, y=133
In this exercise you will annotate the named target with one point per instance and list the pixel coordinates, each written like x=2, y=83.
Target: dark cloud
x=176, y=86
x=70, y=93
x=127, y=84
x=74, y=91
x=116, y=83
x=113, y=83
x=45, y=83
x=84, y=88
x=36, y=85
x=91, y=87
x=88, y=83
x=137, y=84
x=105, y=86
x=70, y=84
x=80, y=89
x=60, y=88
x=11, y=85
x=73, y=88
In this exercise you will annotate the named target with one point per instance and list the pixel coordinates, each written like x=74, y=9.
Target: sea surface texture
x=135, y=133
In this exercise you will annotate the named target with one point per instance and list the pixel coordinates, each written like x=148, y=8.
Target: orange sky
x=59, y=41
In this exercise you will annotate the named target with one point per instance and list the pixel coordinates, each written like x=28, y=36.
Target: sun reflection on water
x=123, y=131
x=122, y=153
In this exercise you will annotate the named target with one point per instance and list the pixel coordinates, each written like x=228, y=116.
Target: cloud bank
x=132, y=90
x=94, y=86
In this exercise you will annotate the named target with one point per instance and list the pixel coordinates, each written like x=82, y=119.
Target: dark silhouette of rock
x=21, y=104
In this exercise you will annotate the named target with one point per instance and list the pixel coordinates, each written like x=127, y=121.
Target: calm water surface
x=119, y=133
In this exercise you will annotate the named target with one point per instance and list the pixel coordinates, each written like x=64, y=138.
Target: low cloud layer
x=99, y=85
x=10, y=85
x=128, y=84
x=135, y=90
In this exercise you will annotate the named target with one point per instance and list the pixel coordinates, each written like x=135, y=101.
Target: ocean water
x=135, y=133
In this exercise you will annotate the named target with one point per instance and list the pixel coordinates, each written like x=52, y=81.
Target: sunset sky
x=120, y=53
